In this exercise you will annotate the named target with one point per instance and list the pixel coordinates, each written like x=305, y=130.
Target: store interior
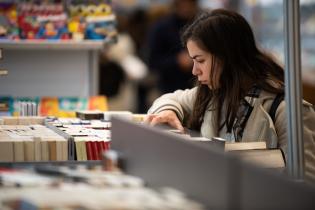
x=121, y=71
x=77, y=78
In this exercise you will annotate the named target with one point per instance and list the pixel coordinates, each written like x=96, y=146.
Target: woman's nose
x=195, y=70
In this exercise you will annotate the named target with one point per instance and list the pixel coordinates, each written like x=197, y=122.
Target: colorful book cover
x=8, y=20
x=42, y=21
x=94, y=21
x=6, y=106
x=18, y=100
x=69, y=105
x=98, y=103
x=53, y=106
x=49, y=106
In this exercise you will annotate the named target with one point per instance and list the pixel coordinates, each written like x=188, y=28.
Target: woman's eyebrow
x=196, y=56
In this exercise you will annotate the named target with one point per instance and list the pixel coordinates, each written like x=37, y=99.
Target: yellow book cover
x=98, y=103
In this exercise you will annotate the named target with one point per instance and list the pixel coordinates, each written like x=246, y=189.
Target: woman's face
x=202, y=65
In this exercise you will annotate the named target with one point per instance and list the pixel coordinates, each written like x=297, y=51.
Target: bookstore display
x=35, y=138
x=50, y=140
x=57, y=20
x=51, y=106
x=88, y=135
x=53, y=187
x=44, y=159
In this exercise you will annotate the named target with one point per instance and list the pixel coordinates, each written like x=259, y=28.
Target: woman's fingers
x=177, y=124
x=158, y=120
x=149, y=118
x=168, y=117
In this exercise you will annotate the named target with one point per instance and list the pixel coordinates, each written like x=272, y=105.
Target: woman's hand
x=166, y=116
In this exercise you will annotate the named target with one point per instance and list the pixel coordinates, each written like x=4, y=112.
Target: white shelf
x=53, y=44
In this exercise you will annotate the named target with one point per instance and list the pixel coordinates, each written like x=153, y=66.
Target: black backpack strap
x=274, y=106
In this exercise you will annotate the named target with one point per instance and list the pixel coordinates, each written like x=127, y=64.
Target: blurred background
x=130, y=70
x=265, y=17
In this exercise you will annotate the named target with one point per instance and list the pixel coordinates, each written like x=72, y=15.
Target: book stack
x=87, y=139
x=85, y=189
x=107, y=115
x=19, y=143
x=22, y=120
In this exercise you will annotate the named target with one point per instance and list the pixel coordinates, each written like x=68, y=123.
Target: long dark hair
x=228, y=37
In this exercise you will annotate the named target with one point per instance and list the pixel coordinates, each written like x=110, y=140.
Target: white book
x=229, y=146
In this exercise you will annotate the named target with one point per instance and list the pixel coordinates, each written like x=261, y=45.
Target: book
x=37, y=148
x=29, y=150
x=89, y=115
x=6, y=150
x=89, y=151
x=23, y=120
x=121, y=114
x=80, y=148
x=197, y=138
x=52, y=150
x=257, y=154
x=233, y=146
x=264, y=158
x=18, y=146
x=64, y=147
x=44, y=150
x=34, y=142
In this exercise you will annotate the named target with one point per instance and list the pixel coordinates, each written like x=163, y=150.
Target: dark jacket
x=164, y=45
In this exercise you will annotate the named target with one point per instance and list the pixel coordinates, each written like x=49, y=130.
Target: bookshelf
x=50, y=68
x=53, y=44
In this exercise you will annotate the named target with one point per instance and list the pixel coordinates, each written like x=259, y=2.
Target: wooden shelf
x=54, y=44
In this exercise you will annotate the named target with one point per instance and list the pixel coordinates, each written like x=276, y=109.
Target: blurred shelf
x=52, y=163
x=53, y=44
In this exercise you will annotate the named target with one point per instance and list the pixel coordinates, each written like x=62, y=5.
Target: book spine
x=89, y=150
x=37, y=149
x=45, y=150
x=52, y=150
x=18, y=150
x=94, y=150
x=99, y=150
x=29, y=151
x=6, y=151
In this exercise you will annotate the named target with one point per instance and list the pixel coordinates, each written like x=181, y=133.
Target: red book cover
x=106, y=145
x=102, y=146
x=89, y=150
x=99, y=150
x=94, y=150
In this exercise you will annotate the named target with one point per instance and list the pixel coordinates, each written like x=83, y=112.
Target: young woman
x=237, y=84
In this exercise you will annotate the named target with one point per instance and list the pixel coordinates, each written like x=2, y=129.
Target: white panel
x=45, y=73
